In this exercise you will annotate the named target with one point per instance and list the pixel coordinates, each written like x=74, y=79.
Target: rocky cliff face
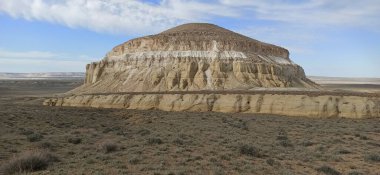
x=203, y=67
x=320, y=106
x=193, y=57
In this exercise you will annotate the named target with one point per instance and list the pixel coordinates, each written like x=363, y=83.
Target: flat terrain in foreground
x=119, y=141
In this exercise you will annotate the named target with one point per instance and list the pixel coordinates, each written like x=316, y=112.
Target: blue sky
x=327, y=38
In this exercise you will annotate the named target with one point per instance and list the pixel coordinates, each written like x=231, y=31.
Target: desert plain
x=72, y=140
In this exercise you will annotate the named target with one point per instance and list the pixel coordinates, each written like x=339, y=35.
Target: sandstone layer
x=203, y=67
x=193, y=57
x=321, y=106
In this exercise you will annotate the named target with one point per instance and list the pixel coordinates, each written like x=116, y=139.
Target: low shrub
x=328, y=170
x=355, y=173
x=286, y=143
x=45, y=145
x=108, y=146
x=153, y=141
x=34, y=137
x=28, y=162
x=178, y=141
x=372, y=158
x=270, y=162
x=74, y=140
x=343, y=151
x=143, y=132
x=307, y=143
x=134, y=161
x=250, y=151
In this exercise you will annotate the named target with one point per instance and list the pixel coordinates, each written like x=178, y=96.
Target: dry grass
x=157, y=142
x=28, y=162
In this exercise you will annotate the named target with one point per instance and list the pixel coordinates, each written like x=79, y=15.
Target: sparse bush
x=74, y=140
x=90, y=161
x=35, y=137
x=373, y=144
x=270, y=161
x=225, y=157
x=320, y=148
x=355, y=173
x=70, y=153
x=178, y=141
x=107, y=130
x=134, y=161
x=143, y=132
x=250, y=151
x=28, y=162
x=328, y=170
x=286, y=143
x=153, y=141
x=108, y=146
x=213, y=159
x=361, y=137
x=45, y=145
x=337, y=141
x=343, y=151
x=282, y=137
x=372, y=158
x=307, y=143
x=26, y=132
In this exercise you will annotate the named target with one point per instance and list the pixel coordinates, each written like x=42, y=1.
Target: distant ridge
x=42, y=75
x=344, y=80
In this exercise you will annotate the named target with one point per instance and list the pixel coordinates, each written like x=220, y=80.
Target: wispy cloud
x=363, y=13
x=134, y=16
x=41, y=61
x=114, y=16
x=41, y=65
x=41, y=56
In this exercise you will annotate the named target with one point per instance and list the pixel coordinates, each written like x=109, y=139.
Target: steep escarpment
x=321, y=106
x=193, y=57
x=203, y=67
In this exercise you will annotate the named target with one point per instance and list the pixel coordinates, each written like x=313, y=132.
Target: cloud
x=141, y=17
x=297, y=39
x=114, y=16
x=40, y=65
x=42, y=61
x=364, y=13
x=41, y=56
x=27, y=54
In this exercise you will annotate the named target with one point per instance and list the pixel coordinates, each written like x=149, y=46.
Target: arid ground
x=66, y=140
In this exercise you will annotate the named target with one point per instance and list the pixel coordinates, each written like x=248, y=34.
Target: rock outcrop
x=193, y=57
x=298, y=104
x=203, y=67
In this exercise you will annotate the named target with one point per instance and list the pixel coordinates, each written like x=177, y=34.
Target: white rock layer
x=321, y=106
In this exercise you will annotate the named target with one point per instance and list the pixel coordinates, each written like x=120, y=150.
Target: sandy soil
x=156, y=142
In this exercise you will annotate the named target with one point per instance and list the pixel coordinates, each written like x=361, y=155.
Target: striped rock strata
x=193, y=57
x=320, y=106
x=200, y=67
